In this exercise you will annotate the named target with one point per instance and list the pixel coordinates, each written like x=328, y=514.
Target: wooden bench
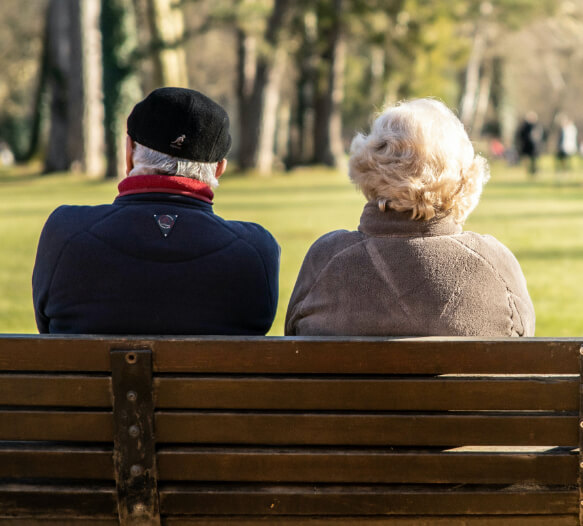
x=296, y=431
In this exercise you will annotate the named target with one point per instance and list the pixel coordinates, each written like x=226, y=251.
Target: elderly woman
x=410, y=269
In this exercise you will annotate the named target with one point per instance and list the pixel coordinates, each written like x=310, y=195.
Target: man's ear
x=221, y=167
x=129, y=154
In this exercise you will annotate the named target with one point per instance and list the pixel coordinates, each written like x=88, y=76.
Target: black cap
x=183, y=123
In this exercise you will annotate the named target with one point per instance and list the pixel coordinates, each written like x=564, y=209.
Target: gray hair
x=148, y=161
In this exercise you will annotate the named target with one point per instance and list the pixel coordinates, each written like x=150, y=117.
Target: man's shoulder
x=249, y=231
x=75, y=218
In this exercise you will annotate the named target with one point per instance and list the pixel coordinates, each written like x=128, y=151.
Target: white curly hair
x=418, y=158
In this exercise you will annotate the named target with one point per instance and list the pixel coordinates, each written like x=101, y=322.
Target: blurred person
x=567, y=144
x=410, y=269
x=529, y=137
x=6, y=155
x=158, y=260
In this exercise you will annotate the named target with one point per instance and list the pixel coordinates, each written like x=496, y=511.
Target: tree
x=71, y=70
x=257, y=75
x=486, y=23
x=329, y=80
x=120, y=82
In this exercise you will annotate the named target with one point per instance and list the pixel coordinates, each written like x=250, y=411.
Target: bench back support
x=137, y=431
x=134, y=449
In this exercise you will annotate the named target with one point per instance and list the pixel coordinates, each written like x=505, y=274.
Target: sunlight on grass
x=541, y=221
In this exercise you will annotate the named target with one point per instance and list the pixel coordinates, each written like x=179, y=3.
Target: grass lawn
x=541, y=221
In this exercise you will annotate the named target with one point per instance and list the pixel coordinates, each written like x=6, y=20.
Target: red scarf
x=166, y=184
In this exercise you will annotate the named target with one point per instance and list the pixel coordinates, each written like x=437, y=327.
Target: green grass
x=541, y=221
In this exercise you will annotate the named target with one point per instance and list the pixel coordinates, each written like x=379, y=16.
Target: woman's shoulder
x=335, y=241
x=496, y=253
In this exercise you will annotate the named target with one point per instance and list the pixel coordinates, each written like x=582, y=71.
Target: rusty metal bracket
x=134, y=451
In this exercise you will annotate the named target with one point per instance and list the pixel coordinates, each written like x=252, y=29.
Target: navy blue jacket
x=109, y=269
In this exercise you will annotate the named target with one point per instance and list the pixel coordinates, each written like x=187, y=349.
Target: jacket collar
x=373, y=222
x=165, y=184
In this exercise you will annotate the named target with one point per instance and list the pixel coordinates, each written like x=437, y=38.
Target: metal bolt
x=136, y=470
x=581, y=465
x=139, y=508
x=581, y=350
x=132, y=396
x=134, y=431
x=131, y=357
x=581, y=423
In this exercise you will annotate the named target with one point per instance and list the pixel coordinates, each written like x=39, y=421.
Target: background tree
x=298, y=78
x=121, y=85
x=71, y=69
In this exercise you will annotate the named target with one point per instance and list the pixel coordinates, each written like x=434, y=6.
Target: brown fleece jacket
x=399, y=277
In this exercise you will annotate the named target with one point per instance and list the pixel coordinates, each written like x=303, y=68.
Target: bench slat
x=366, y=429
x=41, y=461
x=367, y=356
x=297, y=355
x=61, y=521
x=366, y=394
x=361, y=466
x=52, y=390
x=365, y=500
x=55, y=501
x=495, y=520
x=81, y=426
x=54, y=353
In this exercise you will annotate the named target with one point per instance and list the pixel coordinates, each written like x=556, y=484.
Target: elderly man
x=158, y=260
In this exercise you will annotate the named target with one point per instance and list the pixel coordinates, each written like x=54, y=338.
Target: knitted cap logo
x=165, y=223
x=177, y=143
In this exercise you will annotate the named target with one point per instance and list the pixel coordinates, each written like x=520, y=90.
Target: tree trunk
x=93, y=131
x=483, y=97
x=167, y=28
x=121, y=88
x=301, y=133
x=329, y=93
x=41, y=89
x=249, y=94
x=265, y=155
x=472, y=80
x=59, y=49
x=73, y=62
x=252, y=83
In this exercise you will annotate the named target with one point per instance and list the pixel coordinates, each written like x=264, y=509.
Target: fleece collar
x=375, y=223
x=165, y=184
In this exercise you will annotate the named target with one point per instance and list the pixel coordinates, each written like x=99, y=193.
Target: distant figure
x=158, y=260
x=567, y=144
x=6, y=155
x=529, y=137
x=410, y=269
x=497, y=149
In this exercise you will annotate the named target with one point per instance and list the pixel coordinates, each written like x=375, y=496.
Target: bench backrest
x=251, y=430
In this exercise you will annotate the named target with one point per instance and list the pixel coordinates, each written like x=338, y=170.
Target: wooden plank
x=55, y=390
x=367, y=394
x=19, y=461
x=366, y=429
x=330, y=355
x=496, y=520
x=53, y=353
x=61, y=521
x=366, y=466
x=54, y=501
x=79, y=426
x=363, y=500
x=343, y=355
